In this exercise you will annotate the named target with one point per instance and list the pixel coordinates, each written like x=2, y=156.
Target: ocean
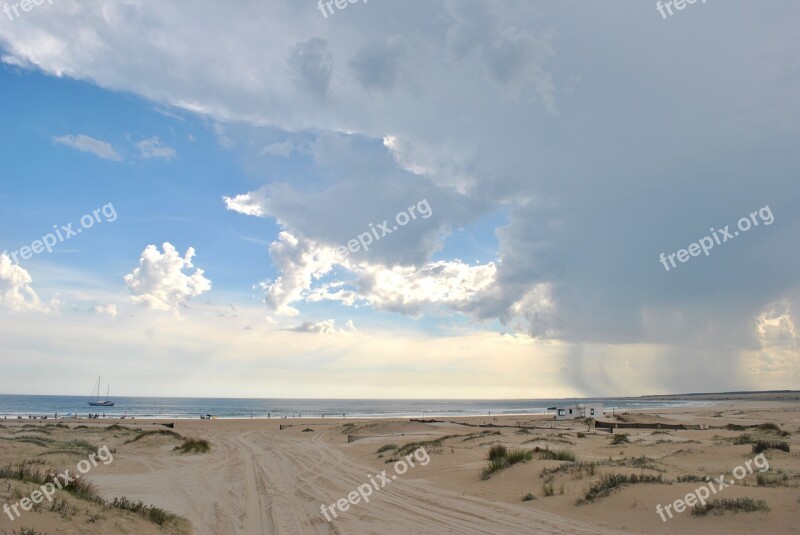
x=166, y=408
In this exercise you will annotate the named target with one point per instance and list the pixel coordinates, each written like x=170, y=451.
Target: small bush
x=500, y=458
x=764, y=445
x=153, y=514
x=547, y=488
x=748, y=505
x=386, y=447
x=193, y=445
x=497, y=452
x=518, y=456
x=609, y=482
x=492, y=467
x=528, y=497
x=690, y=478
x=557, y=455
x=84, y=489
x=620, y=439
x=764, y=480
x=577, y=469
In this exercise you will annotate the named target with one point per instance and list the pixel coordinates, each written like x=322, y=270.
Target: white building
x=580, y=410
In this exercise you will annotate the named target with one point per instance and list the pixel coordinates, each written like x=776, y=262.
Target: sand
x=258, y=478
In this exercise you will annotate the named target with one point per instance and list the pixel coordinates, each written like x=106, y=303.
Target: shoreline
x=651, y=403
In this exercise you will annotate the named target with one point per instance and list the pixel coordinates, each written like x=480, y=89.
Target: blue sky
x=558, y=159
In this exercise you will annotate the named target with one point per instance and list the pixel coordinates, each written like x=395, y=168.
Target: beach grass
x=500, y=458
x=719, y=506
x=620, y=439
x=193, y=445
x=610, y=482
x=764, y=445
x=555, y=455
x=162, y=432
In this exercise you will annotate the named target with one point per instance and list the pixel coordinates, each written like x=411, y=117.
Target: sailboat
x=96, y=394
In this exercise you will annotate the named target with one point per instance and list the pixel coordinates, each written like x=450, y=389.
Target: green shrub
x=193, y=445
x=152, y=513
x=528, y=497
x=620, y=439
x=719, y=506
x=497, y=452
x=690, y=478
x=501, y=458
x=492, y=467
x=764, y=445
x=610, y=482
x=386, y=447
x=556, y=455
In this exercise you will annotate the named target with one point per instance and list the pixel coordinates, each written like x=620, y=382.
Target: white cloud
x=88, y=144
x=537, y=312
x=409, y=289
x=284, y=149
x=406, y=289
x=155, y=148
x=109, y=309
x=16, y=293
x=299, y=263
x=322, y=327
x=778, y=359
x=246, y=203
x=160, y=283
x=222, y=137
x=466, y=102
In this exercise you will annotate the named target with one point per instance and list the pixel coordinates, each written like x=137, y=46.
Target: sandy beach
x=273, y=476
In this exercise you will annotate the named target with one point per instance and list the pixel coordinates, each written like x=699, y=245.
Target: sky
x=429, y=199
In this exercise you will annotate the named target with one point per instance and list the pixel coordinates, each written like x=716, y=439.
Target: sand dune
x=263, y=481
x=272, y=476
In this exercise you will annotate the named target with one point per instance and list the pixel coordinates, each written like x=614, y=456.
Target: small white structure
x=580, y=410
